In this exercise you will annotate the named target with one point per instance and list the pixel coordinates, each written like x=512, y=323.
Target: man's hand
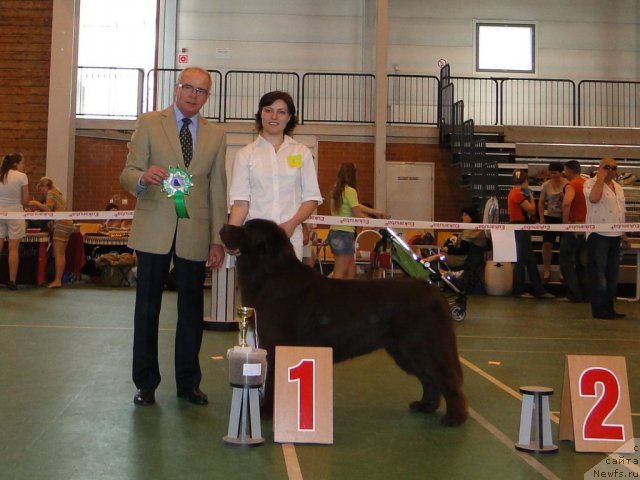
x=216, y=256
x=602, y=173
x=153, y=176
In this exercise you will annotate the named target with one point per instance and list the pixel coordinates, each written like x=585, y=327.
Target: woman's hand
x=289, y=227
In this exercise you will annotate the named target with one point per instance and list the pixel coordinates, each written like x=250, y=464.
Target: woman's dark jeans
x=526, y=260
x=603, y=267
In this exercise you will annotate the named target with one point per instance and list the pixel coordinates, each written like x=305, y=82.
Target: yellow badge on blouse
x=295, y=161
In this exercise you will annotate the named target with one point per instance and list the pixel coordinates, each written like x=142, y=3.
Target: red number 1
x=594, y=427
x=304, y=373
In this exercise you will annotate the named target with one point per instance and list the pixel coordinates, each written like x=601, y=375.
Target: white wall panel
x=296, y=57
x=430, y=31
x=576, y=39
x=280, y=7
x=574, y=64
x=622, y=11
x=587, y=36
x=273, y=28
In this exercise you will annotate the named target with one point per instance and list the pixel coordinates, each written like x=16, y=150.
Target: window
x=116, y=49
x=505, y=47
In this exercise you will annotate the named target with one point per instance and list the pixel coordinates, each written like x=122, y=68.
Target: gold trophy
x=245, y=314
x=247, y=370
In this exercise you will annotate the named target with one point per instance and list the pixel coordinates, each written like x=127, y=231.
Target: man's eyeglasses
x=611, y=168
x=200, y=92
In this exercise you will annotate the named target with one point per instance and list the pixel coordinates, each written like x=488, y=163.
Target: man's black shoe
x=144, y=397
x=194, y=395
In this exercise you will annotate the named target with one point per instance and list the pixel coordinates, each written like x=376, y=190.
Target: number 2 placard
x=596, y=412
x=303, y=401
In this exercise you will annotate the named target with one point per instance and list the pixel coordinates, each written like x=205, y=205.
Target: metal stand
x=536, y=413
x=245, y=405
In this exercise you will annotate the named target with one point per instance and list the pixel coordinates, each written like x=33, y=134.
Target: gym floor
x=67, y=413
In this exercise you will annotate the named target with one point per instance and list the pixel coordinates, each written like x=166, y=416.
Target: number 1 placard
x=596, y=412
x=303, y=401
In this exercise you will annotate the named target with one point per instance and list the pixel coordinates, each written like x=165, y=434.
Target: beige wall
x=577, y=39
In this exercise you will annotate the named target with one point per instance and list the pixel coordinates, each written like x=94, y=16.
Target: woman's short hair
x=268, y=99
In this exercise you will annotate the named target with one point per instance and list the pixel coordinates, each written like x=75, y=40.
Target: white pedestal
x=223, y=299
x=535, y=421
x=245, y=405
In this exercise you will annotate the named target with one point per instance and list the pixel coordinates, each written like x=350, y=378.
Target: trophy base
x=246, y=442
x=220, y=326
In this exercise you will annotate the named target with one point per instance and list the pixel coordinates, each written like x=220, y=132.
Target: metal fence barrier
x=243, y=90
x=338, y=98
x=412, y=99
x=104, y=92
x=350, y=97
x=608, y=103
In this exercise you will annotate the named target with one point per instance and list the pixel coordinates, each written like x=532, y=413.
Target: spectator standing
x=173, y=152
x=521, y=207
x=14, y=195
x=550, y=212
x=573, y=252
x=344, y=203
x=605, y=204
x=274, y=177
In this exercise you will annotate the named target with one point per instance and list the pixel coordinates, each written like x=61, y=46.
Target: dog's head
x=261, y=243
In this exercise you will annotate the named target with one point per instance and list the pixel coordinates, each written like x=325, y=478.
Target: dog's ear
x=233, y=237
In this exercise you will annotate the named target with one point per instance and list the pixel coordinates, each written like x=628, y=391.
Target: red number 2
x=595, y=426
x=304, y=373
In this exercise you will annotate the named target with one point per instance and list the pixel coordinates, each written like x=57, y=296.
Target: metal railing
x=608, y=103
x=480, y=97
x=338, y=98
x=243, y=90
x=350, y=97
x=412, y=99
x=533, y=101
x=105, y=92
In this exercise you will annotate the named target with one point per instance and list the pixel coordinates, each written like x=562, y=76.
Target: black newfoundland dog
x=296, y=306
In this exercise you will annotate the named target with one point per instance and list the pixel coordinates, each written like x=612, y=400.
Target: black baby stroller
x=437, y=272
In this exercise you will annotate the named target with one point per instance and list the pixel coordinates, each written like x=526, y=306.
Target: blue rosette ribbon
x=177, y=185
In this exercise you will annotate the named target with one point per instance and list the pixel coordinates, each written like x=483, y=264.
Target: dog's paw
x=423, y=407
x=455, y=419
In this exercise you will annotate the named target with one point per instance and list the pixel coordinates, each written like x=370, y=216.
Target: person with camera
x=522, y=208
x=605, y=204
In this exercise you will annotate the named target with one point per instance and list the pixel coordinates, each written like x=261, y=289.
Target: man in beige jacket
x=176, y=169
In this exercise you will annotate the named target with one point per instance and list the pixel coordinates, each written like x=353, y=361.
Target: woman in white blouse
x=274, y=177
x=14, y=195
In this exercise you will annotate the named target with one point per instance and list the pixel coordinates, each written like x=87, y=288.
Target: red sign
x=183, y=58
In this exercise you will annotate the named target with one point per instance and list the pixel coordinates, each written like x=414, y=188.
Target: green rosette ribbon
x=177, y=185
